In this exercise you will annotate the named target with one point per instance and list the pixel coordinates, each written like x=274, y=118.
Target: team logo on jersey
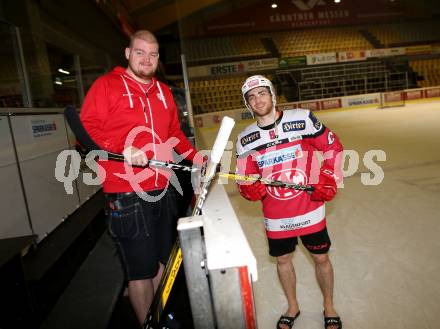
x=294, y=125
x=252, y=137
x=279, y=156
x=272, y=134
x=293, y=175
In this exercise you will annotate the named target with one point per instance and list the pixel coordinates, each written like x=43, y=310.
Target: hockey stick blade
x=214, y=159
x=164, y=289
x=84, y=138
x=270, y=182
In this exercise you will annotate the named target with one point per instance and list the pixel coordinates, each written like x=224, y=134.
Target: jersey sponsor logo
x=292, y=175
x=294, y=125
x=295, y=138
x=296, y=222
x=292, y=226
x=271, y=144
x=252, y=137
x=279, y=156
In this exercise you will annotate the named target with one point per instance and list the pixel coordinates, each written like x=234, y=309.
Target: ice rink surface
x=385, y=238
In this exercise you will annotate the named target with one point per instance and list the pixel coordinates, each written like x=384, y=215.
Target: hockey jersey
x=288, y=151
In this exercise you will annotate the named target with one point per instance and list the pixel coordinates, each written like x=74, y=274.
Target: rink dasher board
x=222, y=254
x=35, y=201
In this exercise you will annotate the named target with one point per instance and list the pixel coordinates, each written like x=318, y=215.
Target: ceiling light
x=63, y=71
x=274, y=5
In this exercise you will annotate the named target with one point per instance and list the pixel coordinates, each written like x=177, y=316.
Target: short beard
x=141, y=75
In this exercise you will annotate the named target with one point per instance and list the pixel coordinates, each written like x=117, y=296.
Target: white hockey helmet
x=254, y=82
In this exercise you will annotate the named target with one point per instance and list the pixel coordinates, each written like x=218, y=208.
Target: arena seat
x=302, y=42
x=223, y=47
x=396, y=34
x=428, y=71
x=221, y=94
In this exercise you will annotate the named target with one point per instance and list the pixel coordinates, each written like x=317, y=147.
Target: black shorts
x=141, y=230
x=315, y=243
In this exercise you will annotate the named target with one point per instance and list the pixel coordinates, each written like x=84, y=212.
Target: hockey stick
x=266, y=181
x=173, y=265
x=84, y=138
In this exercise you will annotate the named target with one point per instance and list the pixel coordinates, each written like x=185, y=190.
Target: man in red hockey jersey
x=129, y=111
x=282, y=146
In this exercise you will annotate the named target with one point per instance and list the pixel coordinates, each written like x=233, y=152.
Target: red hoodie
x=117, y=107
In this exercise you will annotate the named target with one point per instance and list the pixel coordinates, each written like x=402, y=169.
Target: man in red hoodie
x=129, y=111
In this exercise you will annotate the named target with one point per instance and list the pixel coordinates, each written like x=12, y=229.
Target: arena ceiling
x=155, y=15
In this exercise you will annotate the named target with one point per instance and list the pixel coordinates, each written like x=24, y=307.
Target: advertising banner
x=418, y=50
x=14, y=220
x=308, y=13
x=287, y=106
x=233, y=67
x=312, y=106
x=39, y=140
x=199, y=121
x=432, y=92
x=322, y=58
x=385, y=52
x=393, y=96
x=351, y=56
x=260, y=64
x=413, y=95
x=361, y=100
x=329, y=104
x=292, y=61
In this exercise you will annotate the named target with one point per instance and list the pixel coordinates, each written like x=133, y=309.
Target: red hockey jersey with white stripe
x=288, y=151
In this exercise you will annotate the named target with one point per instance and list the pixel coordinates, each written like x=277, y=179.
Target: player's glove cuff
x=326, y=188
x=253, y=192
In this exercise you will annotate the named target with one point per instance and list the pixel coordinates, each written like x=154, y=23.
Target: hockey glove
x=326, y=188
x=253, y=192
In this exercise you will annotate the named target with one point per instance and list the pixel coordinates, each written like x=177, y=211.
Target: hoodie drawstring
x=151, y=116
x=162, y=96
x=128, y=91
